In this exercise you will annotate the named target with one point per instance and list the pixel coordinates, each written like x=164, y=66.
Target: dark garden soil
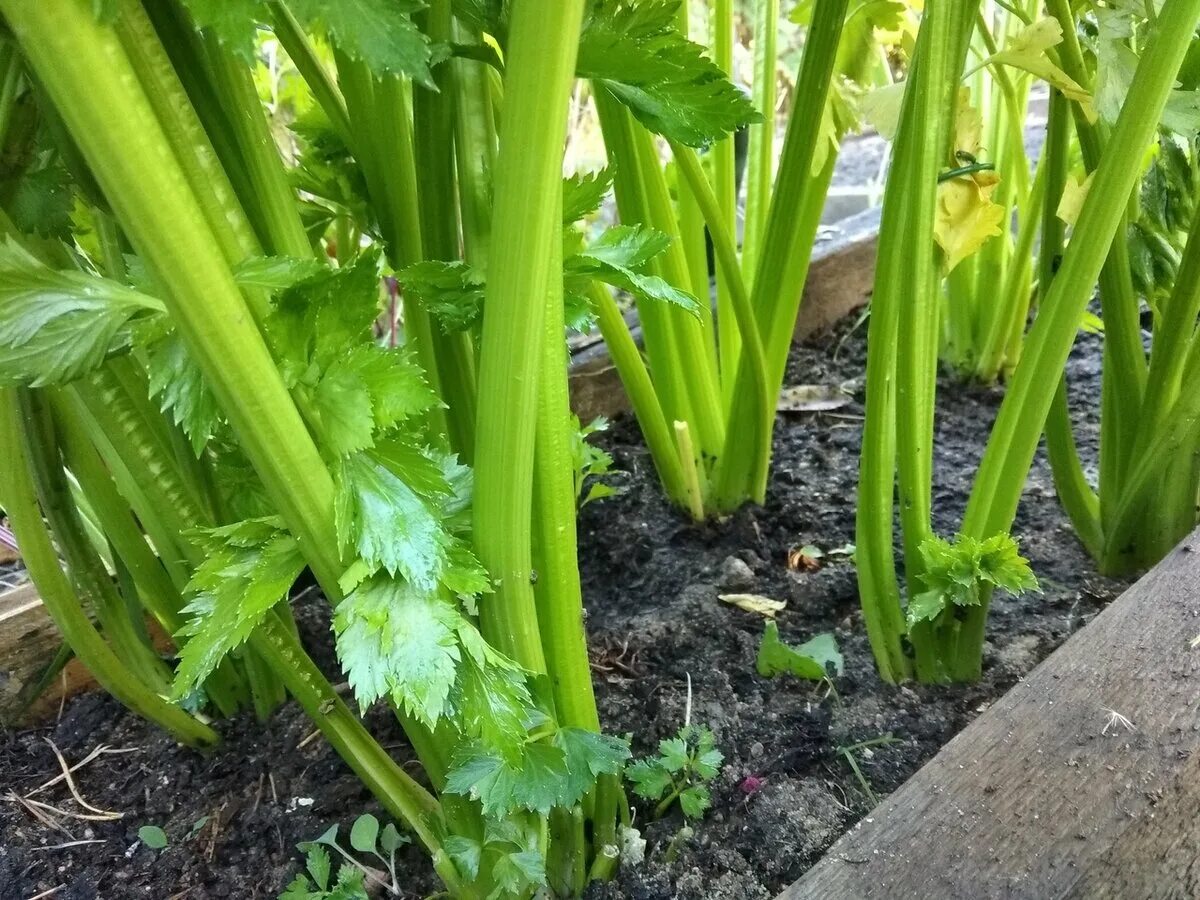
x=651, y=583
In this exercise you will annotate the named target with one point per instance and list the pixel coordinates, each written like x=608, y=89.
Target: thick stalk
x=1023, y=413
x=783, y=264
x=41, y=559
x=539, y=74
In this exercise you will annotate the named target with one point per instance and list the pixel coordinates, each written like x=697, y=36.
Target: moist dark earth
x=651, y=583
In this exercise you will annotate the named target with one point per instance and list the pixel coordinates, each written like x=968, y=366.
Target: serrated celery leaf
x=666, y=81
x=515, y=874
x=387, y=523
x=491, y=699
x=588, y=756
x=41, y=202
x=55, y=326
x=379, y=33
x=177, y=382
x=466, y=854
x=538, y=781
x=234, y=23
x=812, y=660
x=249, y=569
x=396, y=640
x=649, y=779
x=583, y=193
x=619, y=257
x=277, y=273
x=452, y=292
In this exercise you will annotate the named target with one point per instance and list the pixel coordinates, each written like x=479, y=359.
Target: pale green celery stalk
x=761, y=156
x=960, y=307
x=162, y=598
x=202, y=168
x=642, y=397
x=700, y=378
x=905, y=274
x=383, y=146
x=84, y=565
x=558, y=593
x=691, y=237
x=778, y=284
x=658, y=334
x=721, y=231
x=1125, y=369
x=41, y=559
x=999, y=345
x=87, y=74
x=272, y=193
x=729, y=339
x=475, y=151
x=10, y=83
x=1131, y=544
x=528, y=196
x=319, y=79
x=1023, y=413
x=433, y=127
x=1076, y=495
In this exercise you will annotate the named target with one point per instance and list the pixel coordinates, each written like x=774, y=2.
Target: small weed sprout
x=366, y=837
x=593, y=465
x=683, y=770
x=153, y=837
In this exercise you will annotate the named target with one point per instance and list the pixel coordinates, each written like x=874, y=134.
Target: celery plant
x=190, y=368
x=938, y=635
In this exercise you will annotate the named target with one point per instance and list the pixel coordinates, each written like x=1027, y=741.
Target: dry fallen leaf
x=755, y=603
x=812, y=398
x=806, y=558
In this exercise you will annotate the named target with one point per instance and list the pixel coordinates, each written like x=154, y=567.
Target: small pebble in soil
x=736, y=575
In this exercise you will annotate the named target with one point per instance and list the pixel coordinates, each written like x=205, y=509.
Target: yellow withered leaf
x=966, y=216
x=754, y=603
x=1075, y=191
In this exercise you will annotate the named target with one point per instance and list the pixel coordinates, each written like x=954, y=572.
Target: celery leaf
x=452, y=292
x=957, y=573
x=248, y=569
x=396, y=640
x=234, y=23
x=636, y=51
x=379, y=33
x=584, y=192
x=621, y=257
x=177, y=382
x=56, y=326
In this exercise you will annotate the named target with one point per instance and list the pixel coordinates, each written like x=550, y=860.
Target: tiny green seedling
x=683, y=770
x=848, y=753
x=153, y=837
x=366, y=837
x=593, y=464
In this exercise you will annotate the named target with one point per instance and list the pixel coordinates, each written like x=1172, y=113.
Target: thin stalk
x=693, y=491
x=721, y=232
x=729, y=337
x=60, y=601
x=642, y=397
x=475, y=153
x=783, y=264
x=303, y=55
x=1023, y=413
x=761, y=154
x=539, y=74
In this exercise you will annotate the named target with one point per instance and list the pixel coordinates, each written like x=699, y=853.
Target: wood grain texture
x=1048, y=794
x=28, y=641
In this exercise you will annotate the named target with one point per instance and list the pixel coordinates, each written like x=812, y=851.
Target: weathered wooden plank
x=1049, y=794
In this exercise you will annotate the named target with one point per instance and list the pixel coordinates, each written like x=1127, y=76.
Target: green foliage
x=622, y=257
x=583, y=194
x=56, y=326
x=153, y=837
x=41, y=201
x=452, y=292
x=234, y=23
x=592, y=463
x=637, y=53
x=379, y=33
x=550, y=773
x=682, y=771
x=367, y=838
x=248, y=569
x=956, y=574
x=177, y=382
x=816, y=659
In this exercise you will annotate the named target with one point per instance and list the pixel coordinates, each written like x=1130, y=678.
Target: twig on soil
x=66, y=770
x=50, y=893
x=39, y=815
x=71, y=844
x=101, y=750
x=308, y=740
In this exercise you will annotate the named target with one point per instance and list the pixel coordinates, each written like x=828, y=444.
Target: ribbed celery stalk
x=761, y=155
x=783, y=262
x=41, y=559
x=538, y=78
x=1023, y=413
x=729, y=338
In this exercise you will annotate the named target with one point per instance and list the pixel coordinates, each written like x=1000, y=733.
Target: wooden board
x=28, y=641
x=1048, y=794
